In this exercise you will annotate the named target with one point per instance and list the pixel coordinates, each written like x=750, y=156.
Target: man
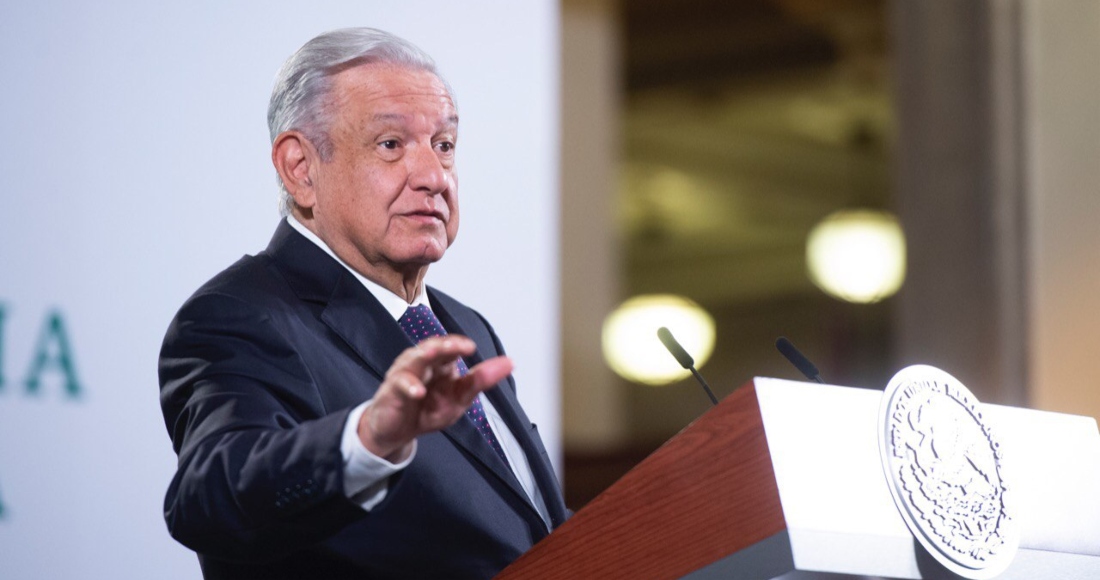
x=326, y=426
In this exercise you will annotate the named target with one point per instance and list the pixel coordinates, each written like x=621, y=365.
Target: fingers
x=423, y=392
x=484, y=376
x=408, y=385
x=409, y=403
x=432, y=370
x=437, y=352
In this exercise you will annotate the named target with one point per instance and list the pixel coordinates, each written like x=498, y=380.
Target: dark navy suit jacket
x=258, y=373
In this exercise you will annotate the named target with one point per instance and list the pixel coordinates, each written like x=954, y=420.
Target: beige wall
x=999, y=188
x=1062, y=70
x=593, y=401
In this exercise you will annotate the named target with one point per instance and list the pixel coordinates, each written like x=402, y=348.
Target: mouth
x=426, y=216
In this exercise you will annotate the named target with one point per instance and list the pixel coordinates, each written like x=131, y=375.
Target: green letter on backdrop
x=60, y=357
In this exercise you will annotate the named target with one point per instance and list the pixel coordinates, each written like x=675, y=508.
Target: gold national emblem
x=943, y=466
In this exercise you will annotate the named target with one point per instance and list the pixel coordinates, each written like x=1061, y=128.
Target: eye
x=445, y=146
x=390, y=144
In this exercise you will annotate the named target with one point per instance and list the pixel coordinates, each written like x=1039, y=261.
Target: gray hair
x=297, y=101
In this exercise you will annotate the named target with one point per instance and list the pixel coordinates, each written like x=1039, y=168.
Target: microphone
x=684, y=359
x=798, y=359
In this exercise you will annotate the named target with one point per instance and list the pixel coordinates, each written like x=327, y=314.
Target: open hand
x=423, y=392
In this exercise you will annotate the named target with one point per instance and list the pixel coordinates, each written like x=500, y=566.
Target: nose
x=427, y=172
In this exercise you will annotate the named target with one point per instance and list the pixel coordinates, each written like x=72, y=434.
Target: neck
x=404, y=280
x=407, y=284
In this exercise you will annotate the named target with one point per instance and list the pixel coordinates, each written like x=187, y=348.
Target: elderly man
x=333, y=416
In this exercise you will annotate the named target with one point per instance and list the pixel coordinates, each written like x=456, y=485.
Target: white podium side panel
x=842, y=520
x=1053, y=462
x=839, y=512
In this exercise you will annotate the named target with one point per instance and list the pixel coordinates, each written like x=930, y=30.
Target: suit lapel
x=506, y=405
x=465, y=435
x=504, y=401
x=354, y=314
x=348, y=308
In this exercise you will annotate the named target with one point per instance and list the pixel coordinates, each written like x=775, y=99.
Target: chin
x=429, y=253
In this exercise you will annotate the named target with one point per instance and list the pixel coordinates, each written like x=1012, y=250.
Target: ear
x=296, y=161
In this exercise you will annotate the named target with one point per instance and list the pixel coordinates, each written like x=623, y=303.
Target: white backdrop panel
x=136, y=165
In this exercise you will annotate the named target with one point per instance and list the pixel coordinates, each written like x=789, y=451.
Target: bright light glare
x=631, y=346
x=857, y=255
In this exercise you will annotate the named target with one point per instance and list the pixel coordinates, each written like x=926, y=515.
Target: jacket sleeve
x=260, y=469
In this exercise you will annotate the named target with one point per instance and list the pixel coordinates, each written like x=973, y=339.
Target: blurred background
x=884, y=182
x=704, y=140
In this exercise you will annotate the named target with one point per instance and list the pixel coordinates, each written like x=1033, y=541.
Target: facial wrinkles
x=426, y=100
x=428, y=174
x=418, y=129
x=416, y=179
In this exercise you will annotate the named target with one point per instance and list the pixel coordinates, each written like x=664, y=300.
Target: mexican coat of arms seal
x=943, y=465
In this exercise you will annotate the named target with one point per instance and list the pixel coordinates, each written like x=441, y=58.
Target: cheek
x=370, y=196
x=452, y=224
x=452, y=227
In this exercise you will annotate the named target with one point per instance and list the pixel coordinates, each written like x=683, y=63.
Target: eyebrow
x=399, y=117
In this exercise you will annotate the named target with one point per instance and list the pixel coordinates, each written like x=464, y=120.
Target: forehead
x=387, y=89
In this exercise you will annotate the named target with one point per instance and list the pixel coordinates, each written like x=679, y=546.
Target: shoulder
x=235, y=288
x=249, y=298
x=289, y=269
x=249, y=278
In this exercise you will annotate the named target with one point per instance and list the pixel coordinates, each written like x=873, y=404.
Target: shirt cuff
x=366, y=476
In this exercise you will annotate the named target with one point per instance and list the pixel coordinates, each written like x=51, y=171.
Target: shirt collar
x=393, y=303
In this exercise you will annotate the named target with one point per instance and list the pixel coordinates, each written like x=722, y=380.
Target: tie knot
x=419, y=322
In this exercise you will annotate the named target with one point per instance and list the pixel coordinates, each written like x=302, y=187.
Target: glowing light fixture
x=857, y=255
x=631, y=347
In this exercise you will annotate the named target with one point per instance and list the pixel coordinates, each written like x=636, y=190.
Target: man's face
x=387, y=198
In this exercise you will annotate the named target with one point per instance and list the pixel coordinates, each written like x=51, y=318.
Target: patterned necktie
x=419, y=322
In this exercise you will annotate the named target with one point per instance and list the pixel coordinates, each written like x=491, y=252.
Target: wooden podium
x=783, y=479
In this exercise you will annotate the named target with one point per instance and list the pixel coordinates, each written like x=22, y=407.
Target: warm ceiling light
x=630, y=343
x=857, y=255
